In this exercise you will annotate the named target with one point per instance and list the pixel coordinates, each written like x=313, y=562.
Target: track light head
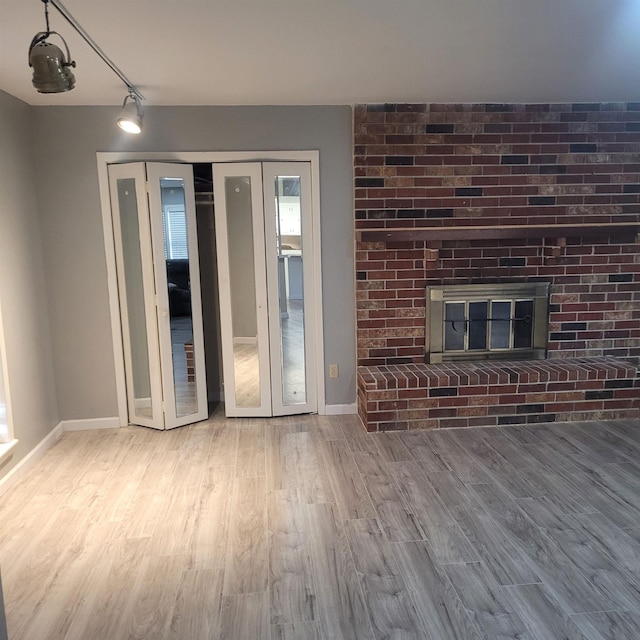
x=131, y=115
x=51, y=69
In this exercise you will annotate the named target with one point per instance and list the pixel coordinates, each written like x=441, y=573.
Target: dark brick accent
x=541, y=418
x=497, y=128
x=618, y=384
x=631, y=188
x=562, y=336
x=439, y=128
x=514, y=159
x=530, y=408
x=439, y=213
x=411, y=213
x=573, y=326
x=443, y=391
x=506, y=420
x=537, y=201
x=369, y=182
x=598, y=395
x=580, y=147
x=468, y=191
x=621, y=277
x=513, y=262
x=547, y=169
x=398, y=160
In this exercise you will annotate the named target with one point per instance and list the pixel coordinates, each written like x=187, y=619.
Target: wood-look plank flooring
x=308, y=528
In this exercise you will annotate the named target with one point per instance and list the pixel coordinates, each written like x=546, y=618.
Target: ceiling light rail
x=52, y=69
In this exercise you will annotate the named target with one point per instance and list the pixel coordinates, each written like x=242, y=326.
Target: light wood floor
x=309, y=528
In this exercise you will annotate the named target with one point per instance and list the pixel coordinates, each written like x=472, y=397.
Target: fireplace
x=506, y=321
x=453, y=194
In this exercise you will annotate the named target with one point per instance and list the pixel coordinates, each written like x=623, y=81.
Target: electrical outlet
x=333, y=371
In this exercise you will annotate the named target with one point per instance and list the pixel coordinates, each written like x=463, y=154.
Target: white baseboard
x=91, y=423
x=340, y=409
x=6, y=448
x=48, y=441
x=16, y=474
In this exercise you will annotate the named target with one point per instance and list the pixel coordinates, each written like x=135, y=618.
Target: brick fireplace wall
x=463, y=165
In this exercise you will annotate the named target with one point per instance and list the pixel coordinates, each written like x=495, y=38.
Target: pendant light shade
x=51, y=69
x=131, y=116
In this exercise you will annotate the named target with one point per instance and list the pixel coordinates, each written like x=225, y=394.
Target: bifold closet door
x=155, y=241
x=265, y=261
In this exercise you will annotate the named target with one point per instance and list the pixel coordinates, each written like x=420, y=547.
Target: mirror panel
x=132, y=279
x=244, y=315
x=176, y=255
x=290, y=289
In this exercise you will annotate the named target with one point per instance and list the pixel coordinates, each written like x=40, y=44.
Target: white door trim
x=104, y=159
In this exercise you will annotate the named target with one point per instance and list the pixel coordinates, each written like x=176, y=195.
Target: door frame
x=104, y=159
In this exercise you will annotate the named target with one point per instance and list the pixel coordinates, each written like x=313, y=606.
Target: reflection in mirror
x=244, y=317
x=176, y=253
x=290, y=289
x=134, y=287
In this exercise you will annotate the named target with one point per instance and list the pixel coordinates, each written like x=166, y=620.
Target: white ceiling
x=243, y=52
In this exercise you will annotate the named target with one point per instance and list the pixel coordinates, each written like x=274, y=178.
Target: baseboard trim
x=91, y=423
x=48, y=441
x=6, y=448
x=340, y=409
x=16, y=474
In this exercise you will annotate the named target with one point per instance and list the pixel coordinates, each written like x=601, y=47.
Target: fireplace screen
x=487, y=321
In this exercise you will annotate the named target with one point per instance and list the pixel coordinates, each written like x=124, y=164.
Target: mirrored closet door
x=265, y=258
x=155, y=241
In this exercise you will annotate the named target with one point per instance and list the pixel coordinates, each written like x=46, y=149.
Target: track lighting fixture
x=52, y=69
x=130, y=119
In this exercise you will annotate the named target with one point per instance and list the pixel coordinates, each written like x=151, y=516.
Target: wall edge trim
x=23, y=466
x=341, y=409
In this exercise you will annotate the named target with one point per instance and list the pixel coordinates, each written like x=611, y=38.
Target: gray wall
x=67, y=139
x=23, y=290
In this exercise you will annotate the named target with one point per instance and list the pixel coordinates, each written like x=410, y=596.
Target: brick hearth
x=480, y=394
x=461, y=166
